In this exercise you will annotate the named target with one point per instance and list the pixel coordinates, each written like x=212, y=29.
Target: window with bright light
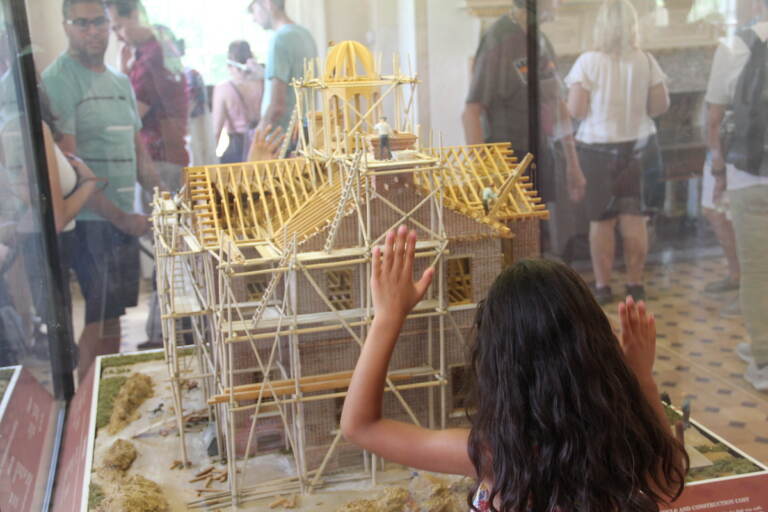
x=207, y=32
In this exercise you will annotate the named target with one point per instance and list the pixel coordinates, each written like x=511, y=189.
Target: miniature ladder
x=288, y=135
x=340, y=211
x=199, y=193
x=289, y=252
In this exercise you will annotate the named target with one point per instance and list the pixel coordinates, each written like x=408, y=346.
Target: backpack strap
x=749, y=37
x=243, y=103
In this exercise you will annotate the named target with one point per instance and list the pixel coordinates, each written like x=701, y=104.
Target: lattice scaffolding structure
x=277, y=255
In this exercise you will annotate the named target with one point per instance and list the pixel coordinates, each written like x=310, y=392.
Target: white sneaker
x=744, y=351
x=758, y=378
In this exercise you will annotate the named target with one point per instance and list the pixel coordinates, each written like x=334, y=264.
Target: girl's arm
x=638, y=342
x=64, y=210
x=394, y=295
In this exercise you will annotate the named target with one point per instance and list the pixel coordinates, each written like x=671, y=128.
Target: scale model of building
x=267, y=264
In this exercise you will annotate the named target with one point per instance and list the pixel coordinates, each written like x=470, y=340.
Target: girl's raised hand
x=395, y=292
x=638, y=337
x=266, y=143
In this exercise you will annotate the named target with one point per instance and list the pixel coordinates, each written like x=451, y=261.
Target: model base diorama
x=134, y=463
x=136, y=467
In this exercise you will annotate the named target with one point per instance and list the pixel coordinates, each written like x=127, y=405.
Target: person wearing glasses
x=98, y=119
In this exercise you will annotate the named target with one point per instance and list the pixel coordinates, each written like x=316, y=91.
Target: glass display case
x=36, y=348
x=193, y=286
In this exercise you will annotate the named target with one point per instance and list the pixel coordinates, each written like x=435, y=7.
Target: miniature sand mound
x=392, y=499
x=137, y=494
x=120, y=455
x=442, y=499
x=132, y=394
x=358, y=506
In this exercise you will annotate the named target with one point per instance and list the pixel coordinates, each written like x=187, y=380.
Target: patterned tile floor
x=695, y=356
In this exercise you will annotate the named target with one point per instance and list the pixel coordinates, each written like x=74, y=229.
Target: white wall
x=46, y=31
x=436, y=36
x=453, y=36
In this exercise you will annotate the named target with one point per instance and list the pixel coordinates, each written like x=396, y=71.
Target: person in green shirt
x=96, y=114
x=289, y=46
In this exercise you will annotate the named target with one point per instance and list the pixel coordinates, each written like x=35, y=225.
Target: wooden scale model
x=268, y=264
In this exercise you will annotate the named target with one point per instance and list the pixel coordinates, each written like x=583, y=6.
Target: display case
x=35, y=332
x=476, y=122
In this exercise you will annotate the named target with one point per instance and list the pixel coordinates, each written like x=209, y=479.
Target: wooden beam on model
x=309, y=384
x=280, y=388
x=507, y=187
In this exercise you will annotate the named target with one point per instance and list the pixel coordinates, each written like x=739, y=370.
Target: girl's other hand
x=266, y=143
x=638, y=338
x=395, y=292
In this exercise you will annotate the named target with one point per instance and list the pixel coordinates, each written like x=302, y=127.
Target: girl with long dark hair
x=567, y=415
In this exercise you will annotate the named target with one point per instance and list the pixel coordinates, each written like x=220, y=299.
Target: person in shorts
x=616, y=90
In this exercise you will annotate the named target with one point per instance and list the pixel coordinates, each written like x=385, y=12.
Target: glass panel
x=35, y=337
x=631, y=109
x=654, y=92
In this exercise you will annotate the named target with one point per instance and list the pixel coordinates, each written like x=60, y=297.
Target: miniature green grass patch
x=95, y=496
x=110, y=385
x=112, y=362
x=108, y=390
x=131, y=359
x=723, y=467
x=5, y=379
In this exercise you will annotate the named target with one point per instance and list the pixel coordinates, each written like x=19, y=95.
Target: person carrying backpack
x=738, y=81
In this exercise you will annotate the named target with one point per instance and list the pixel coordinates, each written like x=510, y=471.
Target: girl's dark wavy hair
x=560, y=421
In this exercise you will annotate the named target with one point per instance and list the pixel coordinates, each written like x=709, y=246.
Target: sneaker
x=722, y=286
x=758, y=377
x=731, y=309
x=637, y=291
x=744, y=351
x=603, y=295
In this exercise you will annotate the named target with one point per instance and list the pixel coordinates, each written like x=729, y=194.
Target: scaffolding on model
x=263, y=259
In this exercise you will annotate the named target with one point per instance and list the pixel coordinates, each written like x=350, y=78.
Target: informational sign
x=70, y=478
x=27, y=429
x=747, y=493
